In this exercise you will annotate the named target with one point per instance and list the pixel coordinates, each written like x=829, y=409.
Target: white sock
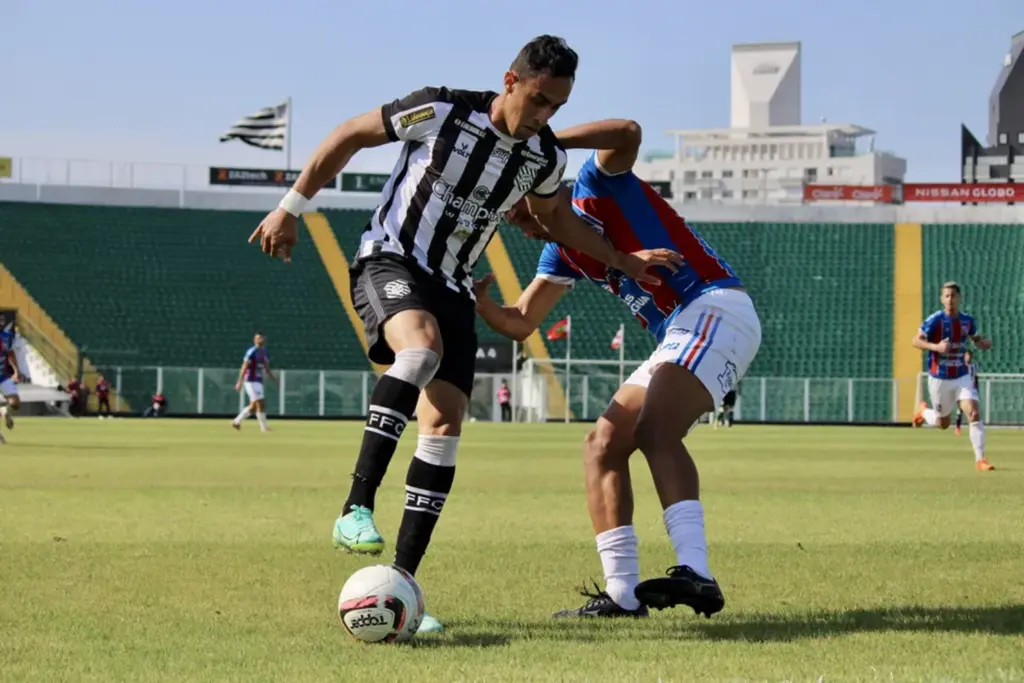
x=931, y=418
x=621, y=561
x=978, y=440
x=684, y=522
x=263, y=420
x=242, y=415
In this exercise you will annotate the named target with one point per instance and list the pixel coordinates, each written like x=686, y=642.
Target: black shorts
x=729, y=400
x=384, y=285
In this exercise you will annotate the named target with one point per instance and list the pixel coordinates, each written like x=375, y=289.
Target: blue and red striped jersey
x=958, y=329
x=632, y=216
x=258, y=359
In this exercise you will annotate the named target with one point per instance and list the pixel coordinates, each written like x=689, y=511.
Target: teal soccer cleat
x=356, y=532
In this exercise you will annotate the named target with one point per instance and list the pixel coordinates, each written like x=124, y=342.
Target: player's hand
x=238, y=386
x=943, y=346
x=984, y=344
x=520, y=216
x=277, y=234
x=635, y=268
x=661, y=257
x=481, y=286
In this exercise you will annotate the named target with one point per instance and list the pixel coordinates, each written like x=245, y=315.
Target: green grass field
x=182, y=551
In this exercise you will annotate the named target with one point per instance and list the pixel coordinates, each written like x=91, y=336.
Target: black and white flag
x=265, y=128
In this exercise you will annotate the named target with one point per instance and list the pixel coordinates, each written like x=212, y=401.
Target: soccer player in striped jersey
x=708, y=334
x=972, y=370
x=255, y=363
x=944, y=335
x=467, y=157
x=9, y=376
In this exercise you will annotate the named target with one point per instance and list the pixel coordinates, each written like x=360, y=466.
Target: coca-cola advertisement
x=848, y=193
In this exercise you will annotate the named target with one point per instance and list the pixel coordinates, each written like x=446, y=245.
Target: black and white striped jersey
x=455, y=178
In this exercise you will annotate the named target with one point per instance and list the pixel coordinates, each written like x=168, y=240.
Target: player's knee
x=602, y=447
x=416, y=366
x=14, y=402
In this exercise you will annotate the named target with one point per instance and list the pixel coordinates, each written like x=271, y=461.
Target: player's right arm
x=617, y=142
x=241, y=373
x=554, y=277
x=928, y=328
x=520, y=320
x=413, y=117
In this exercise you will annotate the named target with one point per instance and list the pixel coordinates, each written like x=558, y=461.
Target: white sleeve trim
x=604, y=171
x=558, y=279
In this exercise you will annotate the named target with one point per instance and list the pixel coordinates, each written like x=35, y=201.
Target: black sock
x=426, y=489
x=391, y=404
x=959, y=418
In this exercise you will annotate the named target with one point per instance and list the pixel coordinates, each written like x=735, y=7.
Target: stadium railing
x=339, y=393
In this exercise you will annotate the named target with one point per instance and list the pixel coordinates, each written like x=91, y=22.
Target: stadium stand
x=177, y=287
x=172, y=287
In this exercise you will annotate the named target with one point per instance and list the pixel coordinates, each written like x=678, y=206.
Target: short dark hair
x=952, y=284
x=546, y=54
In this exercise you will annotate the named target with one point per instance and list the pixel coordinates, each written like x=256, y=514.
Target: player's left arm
x=979, y=340
x=554, y=213
x=617, y=142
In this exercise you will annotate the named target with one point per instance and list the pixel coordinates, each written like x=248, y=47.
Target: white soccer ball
x=381, y=604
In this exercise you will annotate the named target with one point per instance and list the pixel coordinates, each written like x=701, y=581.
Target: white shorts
x=945, y=393
x=8, y=387
x=254, y=390
x=715, y=337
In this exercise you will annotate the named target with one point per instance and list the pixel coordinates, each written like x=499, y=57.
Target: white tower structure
x=767, y=155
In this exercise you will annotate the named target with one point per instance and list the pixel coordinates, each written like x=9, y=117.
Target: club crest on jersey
x=526, y=177
x=396, y=289
x=418, y=116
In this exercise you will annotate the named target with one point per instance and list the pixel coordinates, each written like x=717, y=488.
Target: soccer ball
x=381, y=604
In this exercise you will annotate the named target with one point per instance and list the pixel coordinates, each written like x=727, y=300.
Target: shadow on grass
x=1000, y=620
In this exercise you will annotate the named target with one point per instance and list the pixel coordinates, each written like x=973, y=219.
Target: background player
x=724, y=417
x=10, y=402
x=708, y=334
x=102, y=396
x=254, y=364
x=468, y=157
x=972, y=370
x=944, y=336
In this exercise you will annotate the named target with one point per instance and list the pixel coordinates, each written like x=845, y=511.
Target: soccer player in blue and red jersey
x=254, y=364
x=944, y=335
x=9, y=376
x=708, y=333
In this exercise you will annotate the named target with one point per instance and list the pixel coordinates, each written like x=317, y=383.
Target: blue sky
x=132, y=80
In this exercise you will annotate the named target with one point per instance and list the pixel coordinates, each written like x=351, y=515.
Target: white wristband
x=294, y=203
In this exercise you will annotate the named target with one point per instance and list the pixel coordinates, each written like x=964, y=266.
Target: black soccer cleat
x=599, y=604
x=682, y=586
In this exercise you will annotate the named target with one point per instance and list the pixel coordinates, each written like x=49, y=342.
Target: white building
x=766, y=155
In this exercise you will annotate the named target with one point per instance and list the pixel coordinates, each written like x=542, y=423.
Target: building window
x=829, y=171
x=1002, y=138
x=810, y=174
x=689, y=195
x=726, y=194
x=727, y=173
x=689, y=176
x=705, y=174
x=705, y=194
x=747, y=194
x=1020, y=138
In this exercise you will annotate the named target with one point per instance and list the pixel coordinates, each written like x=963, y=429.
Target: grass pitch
x=173, y=550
